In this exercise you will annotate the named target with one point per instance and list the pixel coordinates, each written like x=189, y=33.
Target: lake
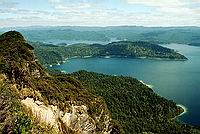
x=175, y=80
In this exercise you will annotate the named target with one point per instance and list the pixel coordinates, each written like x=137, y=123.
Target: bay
x=175, y=80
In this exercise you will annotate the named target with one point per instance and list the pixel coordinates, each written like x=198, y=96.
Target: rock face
x=77, y=118
x=57, y=101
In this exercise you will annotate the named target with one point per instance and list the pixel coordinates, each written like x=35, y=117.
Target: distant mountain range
x=183, y=35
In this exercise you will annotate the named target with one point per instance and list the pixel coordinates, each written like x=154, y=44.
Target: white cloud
x=7, y=4
x=90, y=13
x=158, y=3
x=196, y=1
x=54, y=1
x=177, y=12
x=72, y=7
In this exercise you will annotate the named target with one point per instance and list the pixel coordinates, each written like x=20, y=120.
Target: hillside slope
x=44, y=103
x=52, y=54
x=137, y=108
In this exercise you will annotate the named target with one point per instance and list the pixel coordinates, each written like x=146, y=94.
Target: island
x=52, y=54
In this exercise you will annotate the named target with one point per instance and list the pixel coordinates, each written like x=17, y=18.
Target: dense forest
x=134, y=105
x=52, y=54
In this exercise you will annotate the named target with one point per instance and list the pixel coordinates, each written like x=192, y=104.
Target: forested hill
x=33, y=101
x=52, y=54
x=137, y=108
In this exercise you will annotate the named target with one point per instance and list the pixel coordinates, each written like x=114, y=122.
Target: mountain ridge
x=72, y=109
x=181, y=35
x=53, y=54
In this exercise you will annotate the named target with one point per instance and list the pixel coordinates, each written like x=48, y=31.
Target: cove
x=175, y=80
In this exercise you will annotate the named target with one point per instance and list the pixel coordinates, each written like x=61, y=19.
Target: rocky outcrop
x=75, y=118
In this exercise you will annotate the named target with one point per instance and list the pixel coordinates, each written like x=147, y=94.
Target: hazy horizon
x=40, y=26
x=43, y=26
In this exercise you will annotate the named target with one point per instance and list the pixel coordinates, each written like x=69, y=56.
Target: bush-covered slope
x=137, y=108
x=58, y=101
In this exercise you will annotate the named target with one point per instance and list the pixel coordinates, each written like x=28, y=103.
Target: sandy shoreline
x=184, y=109
x=150, y=86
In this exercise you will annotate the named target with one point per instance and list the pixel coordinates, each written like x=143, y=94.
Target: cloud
x=179, y=12
x=167, y=6
x=156, y=3
x=72, y=7
x=54, y=1
x=100, y=13
x=67, y=5
x=7, y=4
x=195, y=1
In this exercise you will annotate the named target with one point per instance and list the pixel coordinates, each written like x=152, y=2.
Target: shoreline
x=148, y=85
x=114, y=56
x=184, y=110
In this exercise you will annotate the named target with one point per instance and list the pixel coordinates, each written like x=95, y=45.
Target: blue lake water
x=175, y=80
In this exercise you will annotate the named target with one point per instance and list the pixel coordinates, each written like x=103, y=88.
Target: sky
x=14, y=13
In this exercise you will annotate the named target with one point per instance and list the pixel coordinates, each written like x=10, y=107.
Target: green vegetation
x=137, y=108
x=52, y=54
x=182, y=35
x=12, y=117
x=29, y=79
x=47, y=53
x=134, y=107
